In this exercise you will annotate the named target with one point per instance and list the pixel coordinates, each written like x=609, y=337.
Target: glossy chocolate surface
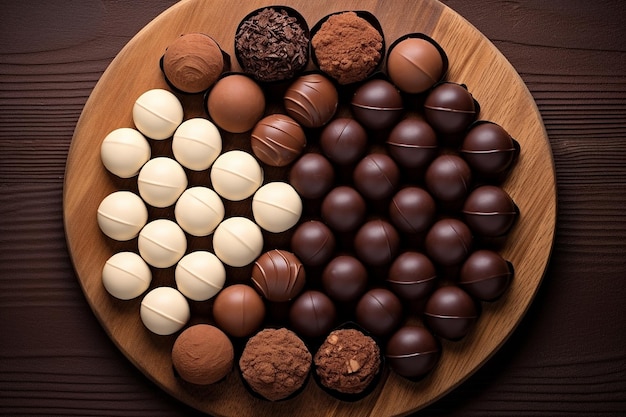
x=238, y=310
x=488, y=148
x=412, y=143
x=343, y=209
x=311, y=100
x=344, y=278
x=235, y=103
x=376, y=176
x=412, y=210
x=448, y=242
x=313, y=243
x=312, y=175
x=379, y=311
x=450, y=108
x=412, y=276
x=412, y=351
x=377, y=242
x=450, y=312
x=377, y=104
x=278, y=275
x=343, y=141
x=312, y=314
x=414, y=65
x=486, y=275
x=489, y=211
x=448, y=178
x=277, y=140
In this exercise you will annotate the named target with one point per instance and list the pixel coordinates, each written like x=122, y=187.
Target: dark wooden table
x=568, y=356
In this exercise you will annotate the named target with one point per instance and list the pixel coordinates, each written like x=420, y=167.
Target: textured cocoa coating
x=376, y=176
x=377, y=242
x=486, y=275
x=450, y=312
x=448, y=178
x=412, y=351
x=379, y=311
x=236, y=103
x=343, y=141
x=312, y=175
x=313, y=243
x=343, y=209
x=377, y=104
x=412, y=210
x=412, y=276
x=489, y=211
x=278, y=275
x=312, y=314
x=277, y=140
x=238, y=310
x=448, y=242
x=449, y=108
x=344, y=279
x=414, y=65
x=202, y=354
x=488, y=148
x=311, y=100
x=412, y=143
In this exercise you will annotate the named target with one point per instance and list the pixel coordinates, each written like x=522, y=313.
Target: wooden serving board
x=474, y=61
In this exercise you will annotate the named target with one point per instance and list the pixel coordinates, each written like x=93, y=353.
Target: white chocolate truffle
x=124, y=151
x=157, y=113
x=236, y=175
x=238, y=241
x=276, y=207
x=200, y=275
x=121, y=215
x=164, y=311
x=199, y=210
x=161, y=181
x=126, y=275
x=162, y=243
x=196, y=144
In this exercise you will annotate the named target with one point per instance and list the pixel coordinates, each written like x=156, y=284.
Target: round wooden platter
x=474, y=61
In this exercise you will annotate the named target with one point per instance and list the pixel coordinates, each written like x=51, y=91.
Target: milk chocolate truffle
x=450, y=108
x=488, y=148
x=376, y=176
x=377, y=104
x=448, y=178
x=278, y=275
x=235, y=103
x=126, y=275
x=202, y=354
x=277, y=140
x=164, y=311
x=311, y=100
x=343, y=209
x=376, y=243
x=343, y=141
x=121, y=215
x=412, y=143
x=161, y=181
x=196, y=144
x=486, y=275
x=275, y=363
x=344, y=279
x=124, y=151
x=276, y=207
x=200, y=275
x=236, y=175
x=157, y=113
x=412, y=352
x=238, y=310
x=412, y=276
x=412, y=210
x=312, y=314
x=379, y=311
x=237, y=241
x=162, y=243
x=312, y=175
x=450, y=312
x=313, y=243
x=193, y=62
x=448, y=242
x=414, y=65
x=489, y=211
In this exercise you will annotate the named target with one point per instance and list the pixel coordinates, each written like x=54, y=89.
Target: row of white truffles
x=199, y=211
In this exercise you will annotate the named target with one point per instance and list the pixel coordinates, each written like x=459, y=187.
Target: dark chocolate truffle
x=312, y=314
x=313, y=243
x=450, y=312
x=414, y=65
x=488, y=148
x=448, y=178
x=412, y=210
x=376, y=176
x=377, y=242
x=412, y=143
x=343, y=209
x=344, y=279
x=450, y=108
x=377, y=104
x=379, y=311
x=238, y=310
x=235, y=103
x=278, y=275
x=412, y=276
x=489, y=211
x=486, y=275
x=448, y=242
x=311, y=100
x=343, y=141
x=277, y=140
x=412, y=352
x=312, y=175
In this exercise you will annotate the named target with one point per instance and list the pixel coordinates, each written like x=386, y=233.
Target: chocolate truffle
x=450, y=312
x=488, y=148
x=157, y=113
x=276, y=207
x=162, y=243
x=412, y=143
x=312, y=175
x=448, y=242
x=313, y=243
x=344, y=279
x=238, y=310
x=278, y=275
x=196, y=144
x=412, y=210
x=193, y=62
x=164, y=311
x=312, y=314
x=236, y=175
x=122, y=214
x=377, y=104
x=161, y=181
x=414, y=65
x=235, y=103
x=202, y=354
x=199, y=210
x=486, y=275
x=412, y=352
x=126, y=275
x=379, y=311
x=311, y=100
x=376, y=242
x=124, y=151
x=348, y=361
x=412, y=276
x=489, y=211
x=343, y=209
x=450, y=108
x=275, y=363
x=376, y=176
x=200, y=275
x=277, y=140
x=237, y=241
x=343, y=141
x=448, y=178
